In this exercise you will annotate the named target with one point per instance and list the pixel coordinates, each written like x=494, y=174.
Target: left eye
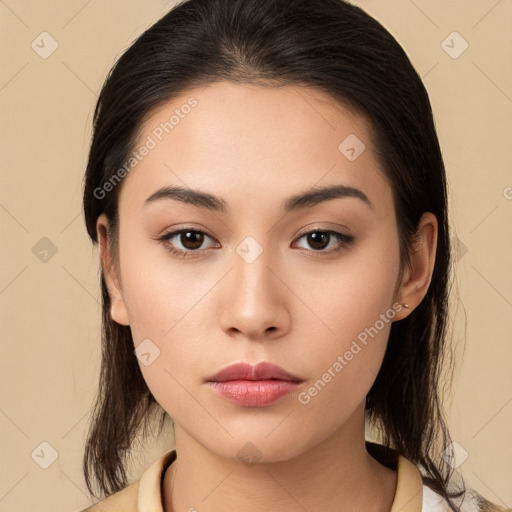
x=192, y=240
x=318, y=238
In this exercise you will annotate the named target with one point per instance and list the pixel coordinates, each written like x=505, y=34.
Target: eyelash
x=344, y=240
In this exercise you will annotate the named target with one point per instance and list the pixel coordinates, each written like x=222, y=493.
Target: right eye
x=190, y=239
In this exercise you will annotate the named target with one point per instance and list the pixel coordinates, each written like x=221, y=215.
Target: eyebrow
x=299, y=201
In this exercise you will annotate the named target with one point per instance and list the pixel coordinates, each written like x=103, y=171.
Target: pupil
x=313, y=240
x=193, y=239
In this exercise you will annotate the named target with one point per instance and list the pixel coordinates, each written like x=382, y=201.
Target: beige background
x=50, y=312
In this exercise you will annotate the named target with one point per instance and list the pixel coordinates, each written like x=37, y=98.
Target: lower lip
x=254, y=393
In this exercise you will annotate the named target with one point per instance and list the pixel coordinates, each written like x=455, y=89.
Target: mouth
x=253, y=386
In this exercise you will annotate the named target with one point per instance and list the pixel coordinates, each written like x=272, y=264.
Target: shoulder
x=122, y=501
x=471, y=501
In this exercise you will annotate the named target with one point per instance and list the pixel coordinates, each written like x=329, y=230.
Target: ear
x=416, y=277
x=118, y=310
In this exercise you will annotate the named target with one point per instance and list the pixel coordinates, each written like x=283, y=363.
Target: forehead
x=241, y=140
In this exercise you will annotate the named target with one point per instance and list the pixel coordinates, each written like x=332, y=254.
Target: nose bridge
x=252, y=261
x=253, y=304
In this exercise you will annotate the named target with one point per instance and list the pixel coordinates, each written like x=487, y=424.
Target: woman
x=267, y=190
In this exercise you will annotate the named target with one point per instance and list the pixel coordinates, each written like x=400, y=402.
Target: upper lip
x=246, y=371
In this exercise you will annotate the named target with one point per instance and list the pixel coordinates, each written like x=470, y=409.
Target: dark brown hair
x=338, y=49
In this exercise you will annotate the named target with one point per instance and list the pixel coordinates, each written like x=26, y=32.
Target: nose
x=255, y=303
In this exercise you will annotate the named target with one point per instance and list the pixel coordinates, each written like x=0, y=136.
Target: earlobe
x=118, y=311
x=416, y=279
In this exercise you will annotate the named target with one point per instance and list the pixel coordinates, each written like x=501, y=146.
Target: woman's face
x=261, y=277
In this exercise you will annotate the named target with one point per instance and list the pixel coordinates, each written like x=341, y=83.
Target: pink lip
x=253, y=386
x=260, y=371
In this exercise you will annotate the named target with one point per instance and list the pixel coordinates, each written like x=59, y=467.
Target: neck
x=336, y=475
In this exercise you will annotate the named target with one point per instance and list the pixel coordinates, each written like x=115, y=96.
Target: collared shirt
x=411, y=495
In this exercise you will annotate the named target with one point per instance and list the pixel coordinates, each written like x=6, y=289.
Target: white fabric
x=433, y=502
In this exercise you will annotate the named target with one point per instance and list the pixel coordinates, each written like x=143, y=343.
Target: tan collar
x=409, y=484
x=408, y=495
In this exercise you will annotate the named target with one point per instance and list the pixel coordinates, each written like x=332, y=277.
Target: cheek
x=167, y=311
x=346, y=363
x=165, y=304
x=355, y=306
x=157, y=290
x=352, y=294
x=168, y=380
